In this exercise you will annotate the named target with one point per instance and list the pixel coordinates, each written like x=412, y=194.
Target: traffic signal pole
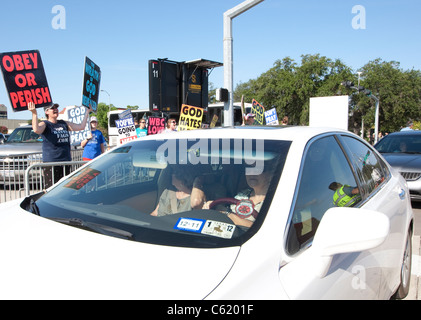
x=228, y=56
x=368, y=93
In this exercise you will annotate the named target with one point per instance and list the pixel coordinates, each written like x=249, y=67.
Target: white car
x=334, y=222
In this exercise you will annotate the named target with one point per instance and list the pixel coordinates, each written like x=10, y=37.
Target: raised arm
x=38, y=127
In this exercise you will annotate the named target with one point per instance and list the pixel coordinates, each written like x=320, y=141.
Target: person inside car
x=249, y=201
x=186, y=192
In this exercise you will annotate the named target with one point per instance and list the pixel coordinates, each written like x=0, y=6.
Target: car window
x=326, y=180
x=23, y=135
x=125, y=187
x=370, y=168
x=400, y=143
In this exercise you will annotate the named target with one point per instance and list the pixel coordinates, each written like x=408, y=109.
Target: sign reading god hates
x=91, y=81
x=25, y=80
x=190, y=118
x=258, y=110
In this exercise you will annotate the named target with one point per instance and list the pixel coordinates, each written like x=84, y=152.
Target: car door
x=354, y=275
x=386, y=194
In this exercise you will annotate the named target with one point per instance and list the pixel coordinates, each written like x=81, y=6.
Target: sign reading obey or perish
x=25, y=80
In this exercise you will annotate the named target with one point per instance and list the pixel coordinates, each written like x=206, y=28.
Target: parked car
x=403, y=152
x=22, y=148
x=281, y=223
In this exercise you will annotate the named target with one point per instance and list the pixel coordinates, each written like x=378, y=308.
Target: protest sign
x=258, y=110
x=271, y=117
x=214, y=121
x=91, y=81
x=125, y=114
x=25, y=80
x=76, y=115
x=156, y=125
x=126, y=130
x=190, y=118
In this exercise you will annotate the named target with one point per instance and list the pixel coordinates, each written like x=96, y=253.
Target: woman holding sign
x=56, y=140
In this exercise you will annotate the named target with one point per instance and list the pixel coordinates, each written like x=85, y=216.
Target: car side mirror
x=344, y=230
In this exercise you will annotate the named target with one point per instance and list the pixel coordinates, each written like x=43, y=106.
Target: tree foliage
x=288, y=86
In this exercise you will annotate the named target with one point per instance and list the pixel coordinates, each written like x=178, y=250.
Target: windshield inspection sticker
x=190, y=224
x=218, y=229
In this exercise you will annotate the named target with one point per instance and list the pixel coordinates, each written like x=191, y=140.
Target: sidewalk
x=415, y=289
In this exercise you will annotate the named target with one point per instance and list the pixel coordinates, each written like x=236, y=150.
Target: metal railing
x=39, y=185
x=12, y=174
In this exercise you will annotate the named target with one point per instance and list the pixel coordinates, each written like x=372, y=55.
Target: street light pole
x=376, y=125
x=228, y=56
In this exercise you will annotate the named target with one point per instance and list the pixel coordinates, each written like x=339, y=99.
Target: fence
x=14, y=185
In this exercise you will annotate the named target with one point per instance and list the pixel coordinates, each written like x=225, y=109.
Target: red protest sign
x=156, y=125
x=25, y=80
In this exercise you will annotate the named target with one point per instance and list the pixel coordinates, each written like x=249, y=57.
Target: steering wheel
x=244, y=208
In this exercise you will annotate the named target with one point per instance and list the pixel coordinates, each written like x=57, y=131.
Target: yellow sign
x=259, y=112
x=190, y=118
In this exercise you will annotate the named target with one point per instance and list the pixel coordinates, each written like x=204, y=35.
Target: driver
x=245, y=211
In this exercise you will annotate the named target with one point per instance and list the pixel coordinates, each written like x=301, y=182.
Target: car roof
x=290, y=133
x=405, y=133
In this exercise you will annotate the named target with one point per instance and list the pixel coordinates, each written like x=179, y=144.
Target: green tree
x=399, y=92
x=289, y=86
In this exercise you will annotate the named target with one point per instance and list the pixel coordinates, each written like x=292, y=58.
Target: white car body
x=356, y=253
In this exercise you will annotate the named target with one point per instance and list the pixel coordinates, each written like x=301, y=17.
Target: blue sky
x=121, y=36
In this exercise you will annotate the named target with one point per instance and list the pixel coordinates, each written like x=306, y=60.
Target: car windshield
x=26, y=135
x=117, y=192
x=406, y=143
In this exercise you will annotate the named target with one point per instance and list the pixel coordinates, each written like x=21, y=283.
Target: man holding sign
x=55, y=139
x=25, y=80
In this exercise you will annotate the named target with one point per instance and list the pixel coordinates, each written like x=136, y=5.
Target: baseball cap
x=93, y=119
x=249, y=115
x=55, y=105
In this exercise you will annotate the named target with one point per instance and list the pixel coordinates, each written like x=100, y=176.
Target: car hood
x=43, y=259
x=20, y=148
x=404, y=160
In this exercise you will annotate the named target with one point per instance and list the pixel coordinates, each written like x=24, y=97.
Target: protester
x=409, y=126
x=55, y=140
x=94, y=144
x=284, y=121
x=171, y=125
x=141, y=130
x=249, y=119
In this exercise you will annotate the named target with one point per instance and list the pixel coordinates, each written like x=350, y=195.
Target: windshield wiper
x=95, y=227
